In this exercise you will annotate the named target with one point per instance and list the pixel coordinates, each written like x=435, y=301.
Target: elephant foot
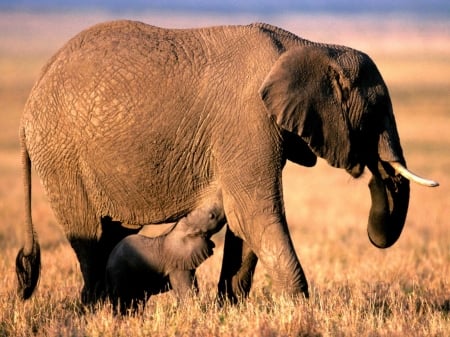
x=228, y=297
x=92, y=295
x=286, y=285
x=239, y=288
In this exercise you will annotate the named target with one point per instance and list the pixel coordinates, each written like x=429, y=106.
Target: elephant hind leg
x=85, y=239
x=93, y=253
x=89, y=234
x=92, y=268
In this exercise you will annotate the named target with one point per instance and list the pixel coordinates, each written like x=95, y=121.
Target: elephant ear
x=185, y=247
x=189, y=252
x=307, y=94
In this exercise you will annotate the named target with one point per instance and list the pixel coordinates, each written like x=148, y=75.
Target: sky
x=421, y=7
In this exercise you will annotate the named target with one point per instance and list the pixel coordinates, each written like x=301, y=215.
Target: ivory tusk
x=400, y=169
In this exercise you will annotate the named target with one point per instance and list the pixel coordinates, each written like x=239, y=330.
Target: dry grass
x=356, y=290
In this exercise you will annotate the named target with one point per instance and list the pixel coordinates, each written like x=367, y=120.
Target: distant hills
x=422, y=7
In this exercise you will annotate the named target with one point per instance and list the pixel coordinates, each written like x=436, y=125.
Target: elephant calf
x=141, y=266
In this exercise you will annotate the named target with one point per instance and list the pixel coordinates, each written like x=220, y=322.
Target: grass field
x=356, y=289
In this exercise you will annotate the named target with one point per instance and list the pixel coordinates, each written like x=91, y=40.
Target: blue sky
x=441, y=7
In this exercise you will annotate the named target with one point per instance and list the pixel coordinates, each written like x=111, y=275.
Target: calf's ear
x=187, y=252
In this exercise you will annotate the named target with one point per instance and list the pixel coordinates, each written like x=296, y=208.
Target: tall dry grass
x=356, y=289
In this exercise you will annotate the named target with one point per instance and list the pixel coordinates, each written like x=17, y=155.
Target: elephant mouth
x=211, y=246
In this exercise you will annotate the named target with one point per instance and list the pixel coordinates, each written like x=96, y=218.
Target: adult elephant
x=138, y=124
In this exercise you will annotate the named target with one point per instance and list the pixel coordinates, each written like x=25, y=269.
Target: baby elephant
x=141, y=266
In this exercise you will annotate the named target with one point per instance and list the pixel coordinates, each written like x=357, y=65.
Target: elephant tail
x=28, y=260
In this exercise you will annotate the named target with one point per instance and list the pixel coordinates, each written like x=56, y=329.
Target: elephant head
x=189, y=243
x=335, y=99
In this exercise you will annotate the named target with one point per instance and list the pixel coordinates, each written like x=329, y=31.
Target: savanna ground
x=356, y=289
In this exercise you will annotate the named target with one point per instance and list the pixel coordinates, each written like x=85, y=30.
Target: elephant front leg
x=268, y=237
x=183, y=282
x=277, y=254
x=238, y=267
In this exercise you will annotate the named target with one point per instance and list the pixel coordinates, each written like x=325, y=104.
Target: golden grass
x=356, y=289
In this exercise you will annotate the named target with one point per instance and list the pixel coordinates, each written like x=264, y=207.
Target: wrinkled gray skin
x=141, y=266
x=181, y=113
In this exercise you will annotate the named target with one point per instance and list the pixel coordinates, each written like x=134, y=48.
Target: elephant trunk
x=390, y=199
x=389, y=189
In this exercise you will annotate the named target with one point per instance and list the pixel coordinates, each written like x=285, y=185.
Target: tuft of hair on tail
x=28, y=268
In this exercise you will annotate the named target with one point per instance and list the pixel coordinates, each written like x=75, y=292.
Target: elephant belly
x=151, y=193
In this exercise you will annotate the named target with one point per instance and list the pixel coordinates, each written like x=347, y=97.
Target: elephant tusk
x=400, y=169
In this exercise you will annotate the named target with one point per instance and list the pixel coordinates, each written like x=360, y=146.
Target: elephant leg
x=112, y=233
x=93, y=255
x=183, y=282
x=92, y=268
x=238, y=267
x=276, y=251
x=267, y=235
